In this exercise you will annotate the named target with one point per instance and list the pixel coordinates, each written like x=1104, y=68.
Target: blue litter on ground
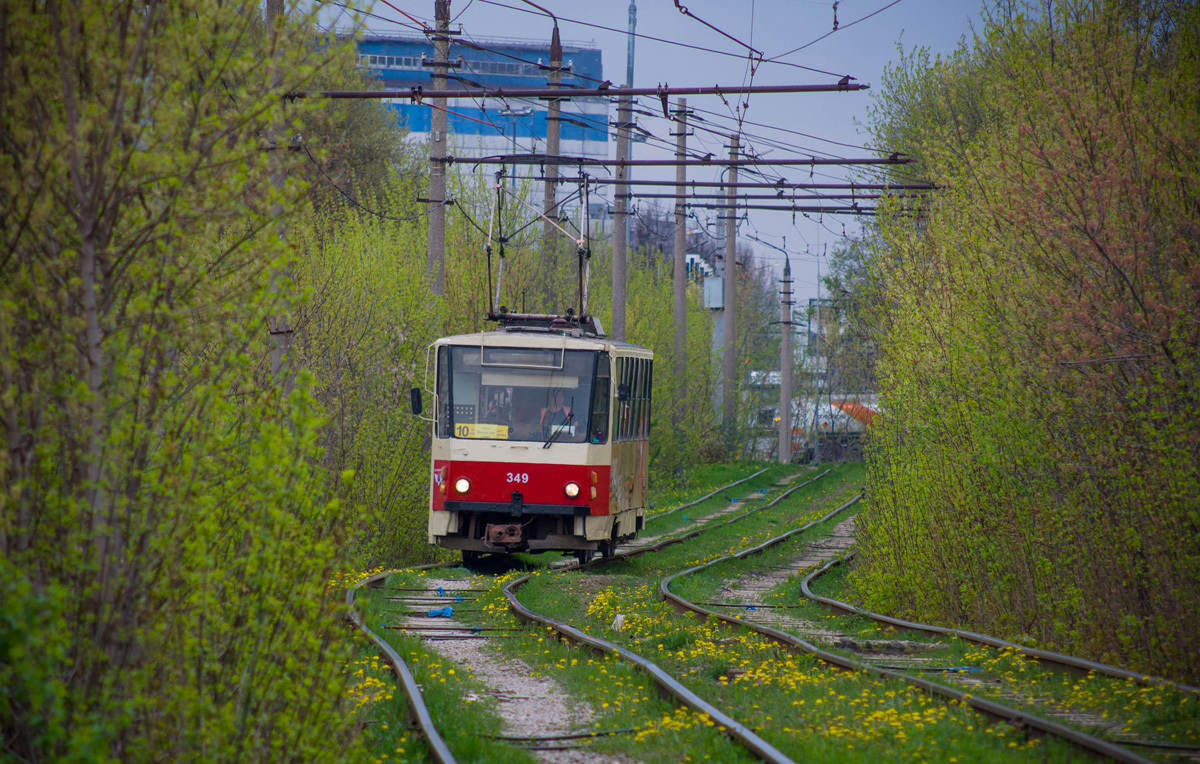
x=441, y=612
x=685, y=517
x=441, y=592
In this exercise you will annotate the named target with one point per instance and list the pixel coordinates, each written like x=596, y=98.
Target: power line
x=663, y=40
x=836, y=28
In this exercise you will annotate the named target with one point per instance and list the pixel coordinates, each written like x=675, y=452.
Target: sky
x=863, y=46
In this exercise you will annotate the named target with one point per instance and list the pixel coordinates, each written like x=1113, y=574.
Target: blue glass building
x=490, y=126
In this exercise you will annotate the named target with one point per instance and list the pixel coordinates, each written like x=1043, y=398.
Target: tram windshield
x=522, y=394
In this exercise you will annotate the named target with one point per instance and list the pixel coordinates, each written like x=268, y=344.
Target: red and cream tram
x=540, y=439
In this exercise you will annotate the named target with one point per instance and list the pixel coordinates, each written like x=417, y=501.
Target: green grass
x=1125, y=708
x=806, y=709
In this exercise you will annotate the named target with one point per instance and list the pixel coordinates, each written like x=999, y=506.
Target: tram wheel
x=608, y=549
x=584, y=556
x=469, y=558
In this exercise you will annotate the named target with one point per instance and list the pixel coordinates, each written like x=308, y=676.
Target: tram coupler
x=498, y=533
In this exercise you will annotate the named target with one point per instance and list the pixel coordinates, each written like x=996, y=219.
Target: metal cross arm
x=501, y=92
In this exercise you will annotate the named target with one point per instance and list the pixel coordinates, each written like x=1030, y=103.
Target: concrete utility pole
x=628, y=153
x=280, y=327
x=436, y=257
x=618, y=235
x=729, y=359
x=680, y=274
x=785, y=368
x=553, y=125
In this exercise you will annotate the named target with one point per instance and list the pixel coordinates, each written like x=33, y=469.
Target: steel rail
x=664, y=680
x=705, y=497
x=1045, y=656
x=790, y=641
x=668, y=683
x=437, y=745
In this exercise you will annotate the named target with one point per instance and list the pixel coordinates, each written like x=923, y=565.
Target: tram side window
x=627, y=404
x=598, y=428
x=443, y=392
x=649, y=395
x=639, y=376
x=643, y=398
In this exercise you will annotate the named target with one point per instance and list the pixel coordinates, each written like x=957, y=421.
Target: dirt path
x=528, y=705
x=751, y=589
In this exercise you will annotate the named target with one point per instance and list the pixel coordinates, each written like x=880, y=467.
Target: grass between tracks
x=1114, y=708
x=804, y=708
x=620, y=696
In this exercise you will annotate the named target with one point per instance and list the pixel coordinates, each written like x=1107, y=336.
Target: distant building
x=481, y=127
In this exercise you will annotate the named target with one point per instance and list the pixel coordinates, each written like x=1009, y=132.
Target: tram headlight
x=572, y=489
x=462, y=485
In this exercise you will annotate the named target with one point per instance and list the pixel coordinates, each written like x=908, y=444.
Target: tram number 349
x=518, y=477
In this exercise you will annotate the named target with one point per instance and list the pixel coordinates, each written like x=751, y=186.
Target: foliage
x=1036, y=474
x=166, y=537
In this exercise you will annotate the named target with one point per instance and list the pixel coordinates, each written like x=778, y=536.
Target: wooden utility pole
x=436, y=257
x=785, y=367
x=680, y=275
x=618, y=231
x=729, y=359
x=553, y=126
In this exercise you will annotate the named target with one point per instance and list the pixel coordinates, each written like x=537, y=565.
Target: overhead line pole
x=629, y=84
x=436, y=255
x=553, y=125
x=680, y=271
x=729, y=359
x=785, y=367
x=418, y=94
x=618, y=231
x=279, y=327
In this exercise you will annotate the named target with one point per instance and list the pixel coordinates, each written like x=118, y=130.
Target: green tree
x=1036, y=473
x=165, y=538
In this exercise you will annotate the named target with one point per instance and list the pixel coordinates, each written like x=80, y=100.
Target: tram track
x=1013, y=716
x=419, y=711
x=1054, y=661
x=1045, y=656
x=734, y=728
x=421, y=717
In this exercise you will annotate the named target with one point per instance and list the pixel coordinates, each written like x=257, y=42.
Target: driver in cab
x=555, y=414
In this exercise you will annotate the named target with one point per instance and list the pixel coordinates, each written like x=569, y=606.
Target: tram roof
x=552, y=340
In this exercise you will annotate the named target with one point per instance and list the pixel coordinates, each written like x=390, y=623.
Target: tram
x=541, y=436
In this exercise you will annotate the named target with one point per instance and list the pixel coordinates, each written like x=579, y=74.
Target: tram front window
x=524, y=394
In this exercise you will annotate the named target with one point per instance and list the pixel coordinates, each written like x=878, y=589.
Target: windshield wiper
x=562, y=427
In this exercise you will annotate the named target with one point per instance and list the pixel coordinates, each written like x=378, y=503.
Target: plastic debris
x=441, y=612
x=441, y=592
